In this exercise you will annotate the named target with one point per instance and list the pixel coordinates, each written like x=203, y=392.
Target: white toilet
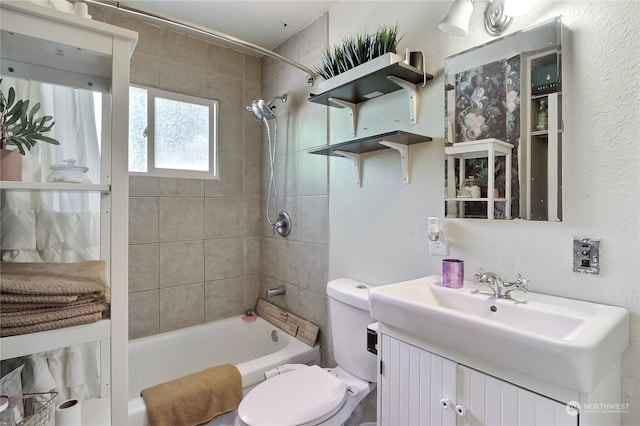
x=310, y=395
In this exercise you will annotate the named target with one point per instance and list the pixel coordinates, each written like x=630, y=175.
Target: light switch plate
x=586, y=255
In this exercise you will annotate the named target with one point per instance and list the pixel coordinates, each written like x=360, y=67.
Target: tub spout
x=276, y=291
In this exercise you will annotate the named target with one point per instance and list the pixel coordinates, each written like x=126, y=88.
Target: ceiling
x=266, y=23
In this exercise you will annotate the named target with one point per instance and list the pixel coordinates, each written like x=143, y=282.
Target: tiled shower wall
x=300, y=261
x=194, y=245
x=202, y=250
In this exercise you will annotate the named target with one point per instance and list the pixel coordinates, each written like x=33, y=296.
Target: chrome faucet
x=501, y=289
x=276, y=291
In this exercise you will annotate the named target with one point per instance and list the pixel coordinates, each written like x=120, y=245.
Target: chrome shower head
x=262, y=110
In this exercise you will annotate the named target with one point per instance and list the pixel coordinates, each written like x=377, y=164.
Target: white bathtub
x=248, y=345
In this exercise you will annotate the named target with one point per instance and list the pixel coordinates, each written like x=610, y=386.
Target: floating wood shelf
x=360, y=90
x=398, y=140
x=369, y=143
x=384, y=74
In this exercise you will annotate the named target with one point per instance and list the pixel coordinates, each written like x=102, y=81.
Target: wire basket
x=38, y=408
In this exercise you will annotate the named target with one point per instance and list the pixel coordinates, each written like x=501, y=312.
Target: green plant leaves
x=19, y=125
x=354, y=51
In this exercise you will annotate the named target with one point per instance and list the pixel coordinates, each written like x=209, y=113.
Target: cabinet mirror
x=503, y=135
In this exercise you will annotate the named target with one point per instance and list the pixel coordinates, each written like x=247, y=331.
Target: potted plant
x=482, y=179
x=354, y=51
x=20, y=128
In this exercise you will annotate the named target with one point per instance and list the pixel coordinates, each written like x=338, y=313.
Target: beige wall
x=300, y=261
x=195, y=244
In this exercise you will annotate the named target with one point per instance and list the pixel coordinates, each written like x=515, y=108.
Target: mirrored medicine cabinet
x=503, y=135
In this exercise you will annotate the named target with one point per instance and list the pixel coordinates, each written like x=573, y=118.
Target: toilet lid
x=298, y=397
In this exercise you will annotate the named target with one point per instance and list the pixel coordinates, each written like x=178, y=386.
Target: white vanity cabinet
x=417, y=387
x=49, y=46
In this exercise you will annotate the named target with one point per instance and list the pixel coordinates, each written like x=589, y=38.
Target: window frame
x=214, y=108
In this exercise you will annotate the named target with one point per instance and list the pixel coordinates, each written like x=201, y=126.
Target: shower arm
x=311, y=75
x=283, y=98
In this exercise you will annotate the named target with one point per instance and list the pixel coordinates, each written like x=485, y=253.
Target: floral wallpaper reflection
x=487, y=105
x=488, y=102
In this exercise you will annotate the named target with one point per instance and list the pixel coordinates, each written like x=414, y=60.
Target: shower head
x=262, y=110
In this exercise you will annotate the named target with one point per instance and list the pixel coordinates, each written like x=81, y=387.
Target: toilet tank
x=349, y=315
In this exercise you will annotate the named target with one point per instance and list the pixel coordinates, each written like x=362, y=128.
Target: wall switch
x=440, y=247
x=586, y=255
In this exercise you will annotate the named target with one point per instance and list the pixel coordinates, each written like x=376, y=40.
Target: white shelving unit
x=50, y=46
x=46, y=186
x=485, y=148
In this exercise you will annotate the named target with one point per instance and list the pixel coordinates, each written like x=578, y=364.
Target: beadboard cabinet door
x=491, y=401
x=417, y=387
x=411, y=385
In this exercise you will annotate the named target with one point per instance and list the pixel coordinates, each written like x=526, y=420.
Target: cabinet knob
x=446, y=403
x=461, y=410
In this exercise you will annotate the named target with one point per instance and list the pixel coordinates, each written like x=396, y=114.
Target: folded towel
x=57, y=279
x=11, y=307
x=51, y=325
x=45, y=296
x=196, y=398
x=37, y=316
x=46, y=300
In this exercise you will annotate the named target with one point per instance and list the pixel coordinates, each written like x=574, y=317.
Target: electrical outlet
x=440, y=247
x=586, y=255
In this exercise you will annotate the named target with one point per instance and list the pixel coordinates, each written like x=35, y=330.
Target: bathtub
x=247, y=345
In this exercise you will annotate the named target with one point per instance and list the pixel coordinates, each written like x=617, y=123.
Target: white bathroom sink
x=565, y=341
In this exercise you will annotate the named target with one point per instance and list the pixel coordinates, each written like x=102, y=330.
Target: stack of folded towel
x=45, y=296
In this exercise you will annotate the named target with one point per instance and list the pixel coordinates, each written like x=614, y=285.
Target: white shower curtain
x=53, y=226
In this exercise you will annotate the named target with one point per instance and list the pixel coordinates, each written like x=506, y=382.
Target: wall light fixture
x=457, y=20
x=498, y=15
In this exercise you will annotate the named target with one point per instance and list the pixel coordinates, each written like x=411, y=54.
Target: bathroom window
x=172, y=135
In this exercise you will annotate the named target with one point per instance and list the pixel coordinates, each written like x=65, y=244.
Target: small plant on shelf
x=354, y=51
x=482, y=177
x=19, y=125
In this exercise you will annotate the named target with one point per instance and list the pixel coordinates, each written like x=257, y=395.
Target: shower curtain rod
x=311, y=75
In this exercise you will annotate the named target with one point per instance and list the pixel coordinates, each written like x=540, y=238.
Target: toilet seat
x=307, y=396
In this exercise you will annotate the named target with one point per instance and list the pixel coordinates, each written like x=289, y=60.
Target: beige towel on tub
x=196, y=398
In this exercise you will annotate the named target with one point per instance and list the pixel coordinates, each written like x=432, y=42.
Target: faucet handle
x=478, y=274
x=521, y=283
